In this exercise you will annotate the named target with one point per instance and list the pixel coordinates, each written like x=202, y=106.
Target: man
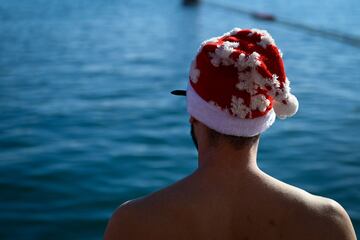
x=237, y=87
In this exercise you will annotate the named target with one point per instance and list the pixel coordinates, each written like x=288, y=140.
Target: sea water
x=87, y=121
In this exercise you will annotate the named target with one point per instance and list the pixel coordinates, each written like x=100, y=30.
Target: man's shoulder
x=325, y=218
x=122, y=221
x=321, y=217
x=131, y=220
x=335, y=220
x=137, y=218
x=320, y=207
x=142, y=206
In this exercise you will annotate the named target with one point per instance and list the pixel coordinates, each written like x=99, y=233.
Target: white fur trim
x=222, y=121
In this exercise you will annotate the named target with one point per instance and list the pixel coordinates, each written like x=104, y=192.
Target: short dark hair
x=235, y=141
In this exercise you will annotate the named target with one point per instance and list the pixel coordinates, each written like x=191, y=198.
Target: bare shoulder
x=318, y=217
x=122, y=222
x=324, y=218
x=334, y=221
x=140, y=218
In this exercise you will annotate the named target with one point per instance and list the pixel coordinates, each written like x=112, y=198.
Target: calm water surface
x=87, y=122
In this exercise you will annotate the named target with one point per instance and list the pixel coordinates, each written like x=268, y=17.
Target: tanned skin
x=229, y=197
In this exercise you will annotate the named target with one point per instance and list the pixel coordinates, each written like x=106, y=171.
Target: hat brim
x=179, y=92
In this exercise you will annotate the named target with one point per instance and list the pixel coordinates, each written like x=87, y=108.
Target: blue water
x=87, y=121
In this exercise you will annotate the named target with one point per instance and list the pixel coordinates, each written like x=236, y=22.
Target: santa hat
x=237, y=84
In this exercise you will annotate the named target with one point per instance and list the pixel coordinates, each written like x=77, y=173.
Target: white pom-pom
x=286, y=110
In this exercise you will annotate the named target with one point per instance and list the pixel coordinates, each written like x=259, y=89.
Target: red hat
x=238, y=84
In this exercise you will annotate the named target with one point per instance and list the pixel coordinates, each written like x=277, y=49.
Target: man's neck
x=226, y=161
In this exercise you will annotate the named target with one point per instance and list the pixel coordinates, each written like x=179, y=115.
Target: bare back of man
x=251, y=206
